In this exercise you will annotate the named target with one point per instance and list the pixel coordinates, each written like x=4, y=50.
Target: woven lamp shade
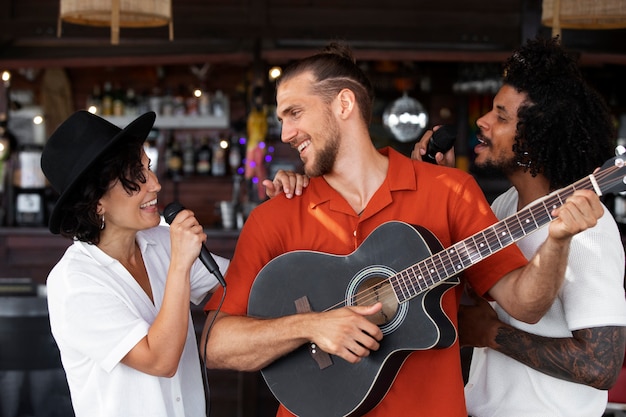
x=117, y=14
x=583, y=14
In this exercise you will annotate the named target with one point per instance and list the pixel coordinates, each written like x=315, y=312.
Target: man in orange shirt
x=324, y=103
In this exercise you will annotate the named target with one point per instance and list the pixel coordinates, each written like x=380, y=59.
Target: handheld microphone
x=442, y=141
x=169, y=213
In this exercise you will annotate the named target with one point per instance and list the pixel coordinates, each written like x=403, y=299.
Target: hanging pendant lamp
x=117, y=14
x=583, y=14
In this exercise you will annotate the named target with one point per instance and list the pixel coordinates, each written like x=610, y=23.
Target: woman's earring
x=102, y=223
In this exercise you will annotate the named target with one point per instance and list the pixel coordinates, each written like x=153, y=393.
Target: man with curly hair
x=547, y=129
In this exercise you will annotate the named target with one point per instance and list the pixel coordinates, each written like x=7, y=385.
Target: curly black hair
x=122, y=163
x=565, y=129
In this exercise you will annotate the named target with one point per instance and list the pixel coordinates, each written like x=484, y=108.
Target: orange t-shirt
x=448, y=202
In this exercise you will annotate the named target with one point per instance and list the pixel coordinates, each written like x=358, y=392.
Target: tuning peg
x=620, y=150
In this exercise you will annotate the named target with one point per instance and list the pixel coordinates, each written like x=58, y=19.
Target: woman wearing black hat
x=119, y=297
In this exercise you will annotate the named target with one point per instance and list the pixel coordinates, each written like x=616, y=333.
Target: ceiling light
x=583, y=14
x=117, y=14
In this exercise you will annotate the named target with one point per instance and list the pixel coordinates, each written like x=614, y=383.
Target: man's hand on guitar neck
x=527, y=293
x=580, y=212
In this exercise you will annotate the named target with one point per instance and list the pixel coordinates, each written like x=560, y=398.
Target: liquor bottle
x=29, y=187
x=107, y=99
x=167, y=103
x=175, y=160
x=235, y=157
x=189, y=156
x=219, y=104
x=203, y=157
x=119, y=101
x=131, y=107
x=218, y=163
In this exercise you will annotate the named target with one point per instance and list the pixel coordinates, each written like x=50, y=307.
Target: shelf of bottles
x=187, y=140
x=185, y=110
x=176, y=122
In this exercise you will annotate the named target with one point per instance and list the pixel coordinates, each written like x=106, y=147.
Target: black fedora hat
x=76, y=144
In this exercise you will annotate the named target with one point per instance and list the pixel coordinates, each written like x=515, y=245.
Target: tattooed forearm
x=592, y=356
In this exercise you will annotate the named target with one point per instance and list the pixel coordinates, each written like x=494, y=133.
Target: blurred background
x=208, y=69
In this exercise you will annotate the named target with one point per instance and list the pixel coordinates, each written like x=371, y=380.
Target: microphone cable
x=207, y=388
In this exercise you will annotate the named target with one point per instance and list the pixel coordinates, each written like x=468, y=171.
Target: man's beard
x=325, y=158
x=491, y=167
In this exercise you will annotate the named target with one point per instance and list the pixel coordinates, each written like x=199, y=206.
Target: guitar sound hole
x=377, y=289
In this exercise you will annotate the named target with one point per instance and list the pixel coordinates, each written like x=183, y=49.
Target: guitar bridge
x=322, y=358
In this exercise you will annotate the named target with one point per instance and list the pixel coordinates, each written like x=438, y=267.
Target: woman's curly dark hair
x=122, y=162
x=565, y=130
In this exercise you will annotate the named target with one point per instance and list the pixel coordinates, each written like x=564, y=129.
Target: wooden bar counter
x=31, y=252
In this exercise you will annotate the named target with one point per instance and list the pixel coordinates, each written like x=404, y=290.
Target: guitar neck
x=431, y=271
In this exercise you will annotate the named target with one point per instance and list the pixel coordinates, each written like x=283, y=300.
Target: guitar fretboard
x=444, y=264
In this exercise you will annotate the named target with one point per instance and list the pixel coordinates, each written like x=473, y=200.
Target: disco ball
x=405, y=118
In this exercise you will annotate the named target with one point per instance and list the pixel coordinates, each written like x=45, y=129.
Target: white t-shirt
x=98, y=313
x=592, y=295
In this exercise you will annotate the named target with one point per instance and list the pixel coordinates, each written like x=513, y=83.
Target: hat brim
x=137, y=130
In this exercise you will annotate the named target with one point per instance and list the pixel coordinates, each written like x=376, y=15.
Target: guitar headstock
x=611, y=177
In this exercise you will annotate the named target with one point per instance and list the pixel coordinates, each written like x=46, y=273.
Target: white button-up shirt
x=98, y=313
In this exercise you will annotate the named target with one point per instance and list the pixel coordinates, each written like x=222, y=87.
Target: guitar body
x=327, y=281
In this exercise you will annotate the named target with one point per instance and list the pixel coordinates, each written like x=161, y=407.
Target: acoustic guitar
x=405, y=268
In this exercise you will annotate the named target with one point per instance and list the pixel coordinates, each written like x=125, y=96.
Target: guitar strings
x=537, y=210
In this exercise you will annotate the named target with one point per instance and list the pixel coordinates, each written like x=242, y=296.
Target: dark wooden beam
x=445, y=30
